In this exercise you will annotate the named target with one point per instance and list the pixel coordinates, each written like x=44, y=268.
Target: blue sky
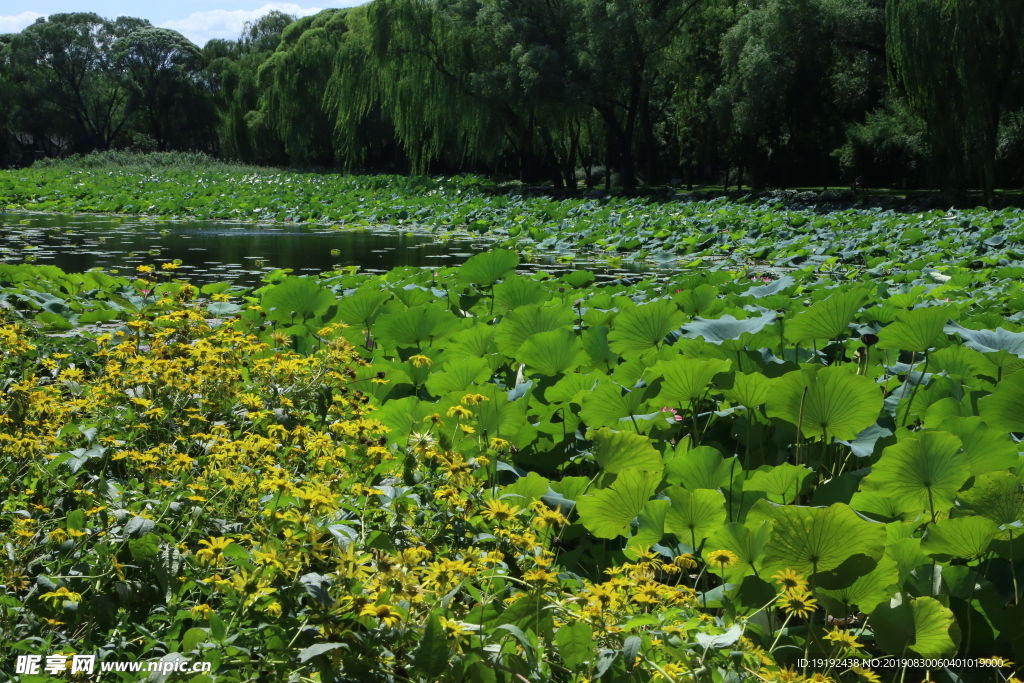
x=200, y=20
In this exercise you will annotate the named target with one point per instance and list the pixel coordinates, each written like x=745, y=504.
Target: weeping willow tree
x=960, y=62
x=292, y=83
x=413, y=60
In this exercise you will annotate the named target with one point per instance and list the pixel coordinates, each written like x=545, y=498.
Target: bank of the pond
x=739, y=234
x=476, y=473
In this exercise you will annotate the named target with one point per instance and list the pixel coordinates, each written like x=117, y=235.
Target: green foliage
x=833, y=423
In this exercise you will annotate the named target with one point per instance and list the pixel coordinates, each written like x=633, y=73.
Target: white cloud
x=200, y=27
x=16, y=22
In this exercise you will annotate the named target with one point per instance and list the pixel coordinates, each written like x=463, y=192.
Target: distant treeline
x=904, y=93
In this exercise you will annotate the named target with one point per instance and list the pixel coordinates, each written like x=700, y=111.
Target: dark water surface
x=215, y=250
x=211, y=251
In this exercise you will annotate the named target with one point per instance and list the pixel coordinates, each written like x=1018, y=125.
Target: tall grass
x=146, y=162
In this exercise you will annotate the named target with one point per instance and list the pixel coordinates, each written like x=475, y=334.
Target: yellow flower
x=865, y=674
x=474, y=399
x=685, y=561
x=60, y=596
x=723, y=558
x=467, y=429
x=790, y=580
x=496, y=510
x=386, y=614
x=499, y=445
x=420, y=361
x=202, y=612
x=797, y=603
x=459, y=412
x=843, y=638
x=545, y=516
x=213, y=553
x=144, y=269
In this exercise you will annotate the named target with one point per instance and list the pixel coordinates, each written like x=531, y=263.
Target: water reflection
x=212, y=251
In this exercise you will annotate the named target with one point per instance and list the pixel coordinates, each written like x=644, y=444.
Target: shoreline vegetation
x=474, y=473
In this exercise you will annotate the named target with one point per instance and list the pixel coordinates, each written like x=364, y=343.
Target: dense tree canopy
x=631, y=92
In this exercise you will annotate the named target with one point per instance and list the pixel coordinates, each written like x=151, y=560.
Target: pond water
x=240, y=252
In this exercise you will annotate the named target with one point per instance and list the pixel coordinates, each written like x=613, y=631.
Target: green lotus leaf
x=517, y=291
x=686, y=380
x=866, y=592
x=985, y=449
x=812, y=540
x=651, y=528
x=618, y=451
x=644, y=327
x=747, y=543
x=906, y=553
x=459, y=376
x=415, y=326
x=990, y=341
x=770, y=289
x=920, y=473
x=1004, y=408
x=957, y=361
x=525, y=490
x=552, y=353
x=476, y=341
x=526, y=321
x=573, y=387
x=595, y=343
x=922, y=625
x=694, y=515
x=700, y=468
x=826, y=319
x=575, y=643
x=960, y=537
x=578, y=278
x=608, y=405
x=782, y=482
x=999, y=497
x=607, y=513
x=697, y=301
x=726, y=328
x=834, y=401
x=915, y=330
x=880, y=505
x=748, y=390
x=404, y=416
x=301, y=296
x=489, y=267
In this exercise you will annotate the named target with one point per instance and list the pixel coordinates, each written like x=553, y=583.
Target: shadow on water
x=210, y=251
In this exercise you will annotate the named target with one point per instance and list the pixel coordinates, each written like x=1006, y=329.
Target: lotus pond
x=482, y=472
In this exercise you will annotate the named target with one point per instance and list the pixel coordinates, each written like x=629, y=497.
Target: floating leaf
x=618, y=451
x=961, y=537
x=301, y=296
x=488, y=267
x=830, y=401
x=826, y=319
x=915, y=330
x=812, y=540
x=608, y=512
x=920, y=473
x=921, y=625
x=1004, y=408
x=644, y=327
x=694, y=515
x=686, y=380
x=552, y=353
x=726, y=328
